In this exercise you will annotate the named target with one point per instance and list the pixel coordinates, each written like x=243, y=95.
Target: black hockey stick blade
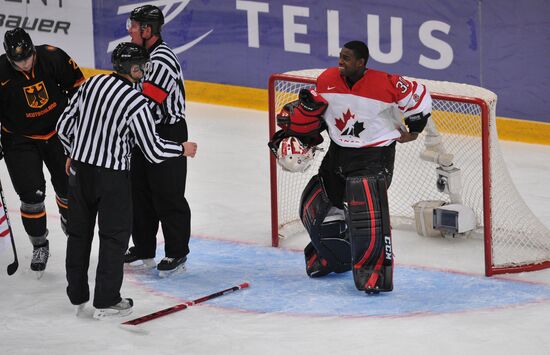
x=12, y=268
x=182, y=306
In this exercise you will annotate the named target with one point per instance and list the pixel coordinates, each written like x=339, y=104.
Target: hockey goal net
x=514, y=239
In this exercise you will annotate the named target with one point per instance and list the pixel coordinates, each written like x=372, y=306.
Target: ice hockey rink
x=441, y=304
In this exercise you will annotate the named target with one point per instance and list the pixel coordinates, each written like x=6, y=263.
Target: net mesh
x=516, y=236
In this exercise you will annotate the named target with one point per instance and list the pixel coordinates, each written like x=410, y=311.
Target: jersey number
x=402, y=85
x=73, y=63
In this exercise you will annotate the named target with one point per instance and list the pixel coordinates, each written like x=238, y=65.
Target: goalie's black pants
x=105, y=193
x=342, y=162
x=158, y=192
x=25, y=158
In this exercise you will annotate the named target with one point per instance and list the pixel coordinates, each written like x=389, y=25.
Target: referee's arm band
x=154, y=92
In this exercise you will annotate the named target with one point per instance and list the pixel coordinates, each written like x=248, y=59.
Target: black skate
x=39, y=260
x=169, y=266
x=130, y=256
x=121, y=309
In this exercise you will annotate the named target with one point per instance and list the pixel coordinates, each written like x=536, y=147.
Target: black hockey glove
x=417, y=122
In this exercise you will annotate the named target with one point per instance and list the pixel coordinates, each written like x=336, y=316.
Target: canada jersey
x=164, y=85
x=31, y=103
x=370, y=113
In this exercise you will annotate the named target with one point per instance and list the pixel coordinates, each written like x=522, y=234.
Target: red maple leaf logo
x=341, y=122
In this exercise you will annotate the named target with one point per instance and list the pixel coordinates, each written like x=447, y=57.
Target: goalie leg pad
x=370, y=234
x=328, y=251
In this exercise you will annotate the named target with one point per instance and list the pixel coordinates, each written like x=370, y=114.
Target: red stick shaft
x=182, y=306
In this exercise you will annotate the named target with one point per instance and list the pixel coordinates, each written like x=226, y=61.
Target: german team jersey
x=370, y=113
x=30, y=103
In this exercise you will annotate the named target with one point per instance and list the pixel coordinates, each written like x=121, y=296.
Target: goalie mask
x=294, y=156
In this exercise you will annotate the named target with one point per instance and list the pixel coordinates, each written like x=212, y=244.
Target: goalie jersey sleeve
x=371, y=112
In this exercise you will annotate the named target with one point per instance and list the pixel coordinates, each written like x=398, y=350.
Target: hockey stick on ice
x=12, y=268
x=182, y=306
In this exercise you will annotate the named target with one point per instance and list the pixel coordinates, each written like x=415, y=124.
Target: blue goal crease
x=279, y=284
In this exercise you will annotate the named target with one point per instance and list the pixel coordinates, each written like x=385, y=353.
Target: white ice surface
x=229, y=195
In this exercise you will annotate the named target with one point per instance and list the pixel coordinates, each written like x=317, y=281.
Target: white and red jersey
x=370, y=113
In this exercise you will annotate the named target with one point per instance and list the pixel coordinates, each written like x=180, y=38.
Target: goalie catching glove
x=303, y=117
x=294, y=156
x=301, y=125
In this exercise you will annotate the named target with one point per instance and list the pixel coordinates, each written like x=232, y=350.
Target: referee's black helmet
x=127, y=54
x=18, y=44
x=148, y=15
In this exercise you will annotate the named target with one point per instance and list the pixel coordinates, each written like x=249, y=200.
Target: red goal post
x=464, y=115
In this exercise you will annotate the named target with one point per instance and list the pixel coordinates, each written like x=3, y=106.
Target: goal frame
x=490, y=269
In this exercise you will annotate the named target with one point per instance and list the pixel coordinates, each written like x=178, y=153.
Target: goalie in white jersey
x=363, y=111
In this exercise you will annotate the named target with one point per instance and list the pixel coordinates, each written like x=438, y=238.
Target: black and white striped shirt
x=164, y=85
x=105, y=119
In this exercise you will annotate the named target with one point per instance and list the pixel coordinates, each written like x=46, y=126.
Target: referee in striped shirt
x=104, y=121
x=159, y=189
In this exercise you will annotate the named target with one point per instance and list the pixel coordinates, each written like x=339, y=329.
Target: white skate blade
x=167, y=273
x=38, y=274
x=107, y=313
x=143, y=264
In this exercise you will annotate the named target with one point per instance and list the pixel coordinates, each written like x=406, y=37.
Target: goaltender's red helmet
x=18, y=45
x=294, y=156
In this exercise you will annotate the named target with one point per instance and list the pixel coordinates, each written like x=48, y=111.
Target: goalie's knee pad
x=329, y=249
x=370, y=234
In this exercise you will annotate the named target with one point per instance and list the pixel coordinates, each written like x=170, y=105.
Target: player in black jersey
x=35, y=86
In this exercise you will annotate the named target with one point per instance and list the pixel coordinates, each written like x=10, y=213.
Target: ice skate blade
x=108, y=313
x=142, y=264
x=38, y=274
x=167, y=273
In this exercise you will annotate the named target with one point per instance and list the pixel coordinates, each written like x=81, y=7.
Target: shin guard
x=63, y=206
x=33, y=216
x=328, y=251
x=370, y=234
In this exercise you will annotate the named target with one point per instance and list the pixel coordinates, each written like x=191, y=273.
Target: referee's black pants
x=158, y=193
x=105, y=193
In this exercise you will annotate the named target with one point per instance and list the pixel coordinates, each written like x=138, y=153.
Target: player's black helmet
x=127, y=54
x=18, y=44
x=148, y=15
